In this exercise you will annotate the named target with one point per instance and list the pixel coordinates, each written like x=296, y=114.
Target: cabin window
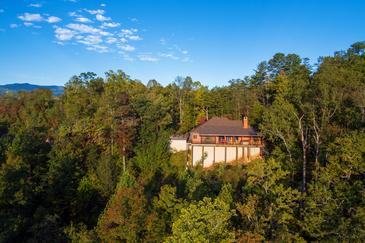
x=195, y=136
x=221, y=139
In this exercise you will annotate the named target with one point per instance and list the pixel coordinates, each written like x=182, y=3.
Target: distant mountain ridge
x=57, y=90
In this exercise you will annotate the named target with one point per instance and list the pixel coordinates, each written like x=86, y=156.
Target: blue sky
x=48, y=41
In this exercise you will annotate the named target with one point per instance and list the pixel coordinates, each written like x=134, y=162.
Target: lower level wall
x=178, y=145
x=209, y=154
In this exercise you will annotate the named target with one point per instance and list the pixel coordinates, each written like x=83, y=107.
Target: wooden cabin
x=221, y=140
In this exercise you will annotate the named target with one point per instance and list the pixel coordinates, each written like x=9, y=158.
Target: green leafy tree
x=268, y=210
x=335, y=204
x=204, y=221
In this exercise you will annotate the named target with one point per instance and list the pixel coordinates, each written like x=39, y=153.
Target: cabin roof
x=218, y=126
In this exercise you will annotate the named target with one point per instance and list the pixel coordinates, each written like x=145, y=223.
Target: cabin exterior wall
x=177, y=145
x=210, y=154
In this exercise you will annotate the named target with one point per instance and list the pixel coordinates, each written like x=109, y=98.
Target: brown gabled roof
x=224, y=127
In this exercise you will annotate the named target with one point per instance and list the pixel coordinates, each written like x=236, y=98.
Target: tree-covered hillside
x=6, y=88
x=93, y=164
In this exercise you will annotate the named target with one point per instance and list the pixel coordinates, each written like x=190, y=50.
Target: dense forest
x=94, y=164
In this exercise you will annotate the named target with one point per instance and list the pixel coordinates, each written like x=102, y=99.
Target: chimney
x=201, y=120
x=245, y=122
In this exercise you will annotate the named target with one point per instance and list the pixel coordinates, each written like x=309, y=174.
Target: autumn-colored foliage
x=94, y=164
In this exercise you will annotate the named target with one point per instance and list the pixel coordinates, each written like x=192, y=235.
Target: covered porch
x=230, y=140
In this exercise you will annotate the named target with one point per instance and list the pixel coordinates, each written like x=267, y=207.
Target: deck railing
x=212, y=140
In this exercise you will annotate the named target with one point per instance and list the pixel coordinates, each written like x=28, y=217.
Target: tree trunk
x=304, y=140
x=289, y=153
x=180, y=110
x=317, y=140
x=304, y=170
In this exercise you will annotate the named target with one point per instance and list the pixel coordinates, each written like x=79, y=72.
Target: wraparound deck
x=228, y=140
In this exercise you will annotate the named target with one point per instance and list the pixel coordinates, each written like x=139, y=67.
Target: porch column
x=213, y=154
x=225, y=154
x=236, y=152
x=244, y=153
x=203, y=156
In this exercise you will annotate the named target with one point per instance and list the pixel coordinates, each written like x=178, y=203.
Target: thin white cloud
x=91, y=40
x=134, y=37
x=147, y=58
x=128, y=48
x=102, y=5
x=63, y=34
x=111, y=40
x=53, y=19
x=74, y=14
x=28, y=17
x=83, y=20
x=126, y=56
x=130, y=34
x=36, y=17
x=173, y=52
x=98, y=48
x=97, y=11
x=169, y=55
x=110, y=25
x=128, y=31
x=28, y=24
x=163, y=41
x=83, y=28
x=35, y=5
x=185, y=52
x=105, y=33
x=102, y=18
